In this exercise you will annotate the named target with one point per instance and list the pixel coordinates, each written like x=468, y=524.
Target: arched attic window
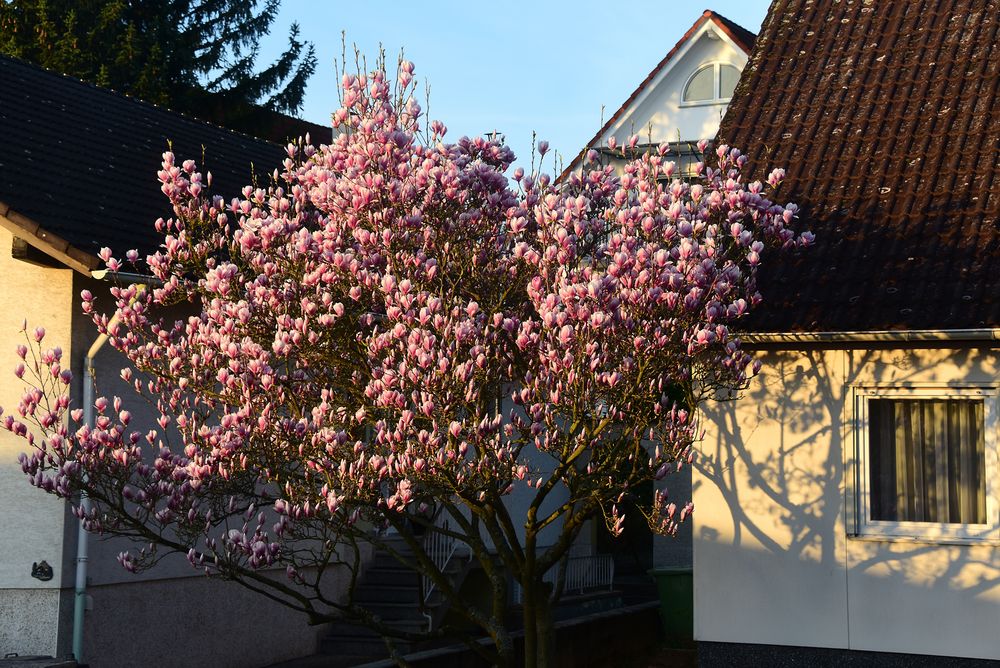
x=712, y=83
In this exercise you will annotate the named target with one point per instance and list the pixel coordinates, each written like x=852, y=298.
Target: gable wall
x=223, y=624
x=773, y=489
x=659, y=114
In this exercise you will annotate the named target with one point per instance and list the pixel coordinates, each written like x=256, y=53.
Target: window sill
x=914, y=540
x=706, y=103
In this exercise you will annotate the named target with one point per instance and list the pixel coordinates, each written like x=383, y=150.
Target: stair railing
x=440, y=547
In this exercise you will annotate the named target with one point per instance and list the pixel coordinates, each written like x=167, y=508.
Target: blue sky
x=543, y=66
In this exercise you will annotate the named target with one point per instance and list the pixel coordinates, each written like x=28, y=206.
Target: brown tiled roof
x=887, y=117
x=78, y=163
x=743, y=38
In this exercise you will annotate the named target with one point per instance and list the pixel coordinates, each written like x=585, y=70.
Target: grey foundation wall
x=30, y=620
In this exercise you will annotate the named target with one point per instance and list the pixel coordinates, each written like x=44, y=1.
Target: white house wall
x=773, y=560
x=657, y=115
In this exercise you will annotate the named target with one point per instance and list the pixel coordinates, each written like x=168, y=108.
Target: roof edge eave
x=52, y=245
x=720, y=21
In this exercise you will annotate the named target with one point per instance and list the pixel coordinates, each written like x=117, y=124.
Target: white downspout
x=89, y=380
x=79, y=604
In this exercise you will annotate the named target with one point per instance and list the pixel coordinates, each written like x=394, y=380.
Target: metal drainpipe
x=79, y=604
x=89, y=379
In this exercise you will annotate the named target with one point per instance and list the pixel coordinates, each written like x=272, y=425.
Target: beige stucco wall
x=774, y=562
x=31, y=522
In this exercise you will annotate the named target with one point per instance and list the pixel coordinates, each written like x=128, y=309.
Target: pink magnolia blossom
x=357, y=323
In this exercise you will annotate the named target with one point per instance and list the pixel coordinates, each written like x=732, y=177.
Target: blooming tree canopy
x=394, y=331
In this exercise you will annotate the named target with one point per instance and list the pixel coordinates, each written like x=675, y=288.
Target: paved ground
x=672, y=658
x=14, y=661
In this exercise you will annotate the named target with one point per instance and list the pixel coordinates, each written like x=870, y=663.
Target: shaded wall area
x=192, y=621
x=175, y=615
x=172, y=615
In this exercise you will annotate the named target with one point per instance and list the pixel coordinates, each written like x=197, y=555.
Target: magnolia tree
x=394, y=332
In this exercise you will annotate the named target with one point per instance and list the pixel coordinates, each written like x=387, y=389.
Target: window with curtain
x=928, y=461
x=927, y=464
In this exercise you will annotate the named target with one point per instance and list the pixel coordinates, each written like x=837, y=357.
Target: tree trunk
x=505, y=648
x=545, y=630
x=530, y=625
x=539, y=630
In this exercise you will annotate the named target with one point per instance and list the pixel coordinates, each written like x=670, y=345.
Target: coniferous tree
x=193, y=55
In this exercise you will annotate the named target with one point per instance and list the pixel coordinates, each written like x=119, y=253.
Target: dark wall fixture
x=41, y=571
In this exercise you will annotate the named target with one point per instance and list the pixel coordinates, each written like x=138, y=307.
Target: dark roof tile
x=81, y=161
x=886, y=117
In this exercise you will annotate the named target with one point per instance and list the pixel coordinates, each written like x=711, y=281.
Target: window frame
x=865, y=527
x=716, y=84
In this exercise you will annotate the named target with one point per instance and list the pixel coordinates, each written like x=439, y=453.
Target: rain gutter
x=877, y=336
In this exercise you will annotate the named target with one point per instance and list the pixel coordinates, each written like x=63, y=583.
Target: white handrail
x=440, y=547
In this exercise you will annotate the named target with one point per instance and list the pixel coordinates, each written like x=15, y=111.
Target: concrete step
x=360, y=641
x=383, y=560
x=355, y=651
x=380, y=592
x=392, y=592
x=396, y=577
x=391, y=612
x=344, y=629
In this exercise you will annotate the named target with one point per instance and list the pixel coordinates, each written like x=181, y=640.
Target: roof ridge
x=743, y=37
